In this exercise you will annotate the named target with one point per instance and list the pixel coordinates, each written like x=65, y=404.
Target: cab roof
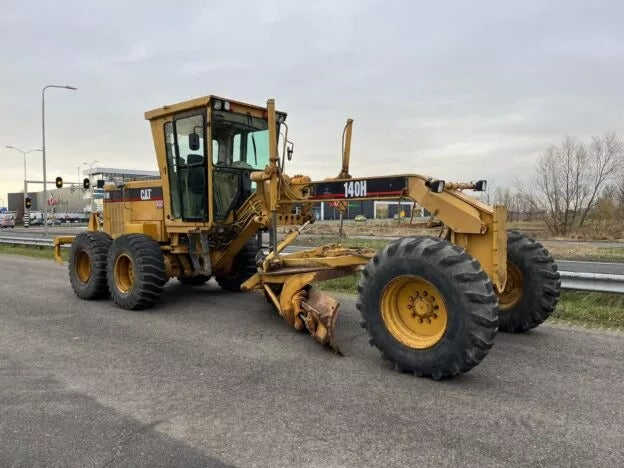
x=194, y=104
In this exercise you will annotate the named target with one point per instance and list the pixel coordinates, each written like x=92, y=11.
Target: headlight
x=226, y=105
x=217, y=105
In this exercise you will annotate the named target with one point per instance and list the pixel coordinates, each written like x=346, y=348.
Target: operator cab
x=218, y=174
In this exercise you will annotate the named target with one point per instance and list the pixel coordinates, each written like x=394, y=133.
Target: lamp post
x=24, y=153
x=90, y=184
x=45, y=180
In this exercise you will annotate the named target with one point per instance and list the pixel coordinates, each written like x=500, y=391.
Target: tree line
x=573, y=182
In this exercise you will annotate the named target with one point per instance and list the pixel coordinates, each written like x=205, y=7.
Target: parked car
x=360, y=218
x=7, y=221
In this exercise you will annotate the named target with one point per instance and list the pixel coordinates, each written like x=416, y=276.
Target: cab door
x=187, y=166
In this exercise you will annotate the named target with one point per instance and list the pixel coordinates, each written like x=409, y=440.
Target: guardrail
x=31, y=241
x=598, y=282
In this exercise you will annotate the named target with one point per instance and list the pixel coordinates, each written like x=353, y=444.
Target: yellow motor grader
x=431, y=304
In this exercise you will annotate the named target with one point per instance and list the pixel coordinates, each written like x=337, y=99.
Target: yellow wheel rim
x=124, y=273
x=414, y=312
x=512, y=293
x=82, y=265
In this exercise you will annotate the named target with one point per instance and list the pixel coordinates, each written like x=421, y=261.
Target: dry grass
x=558, y=251
x=389, y=228
x=29, y=251
x=586, y=253
x=593, y=230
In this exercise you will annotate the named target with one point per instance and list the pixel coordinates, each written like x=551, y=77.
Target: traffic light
x=86, y=183
x=27, y=203
x=59, y=182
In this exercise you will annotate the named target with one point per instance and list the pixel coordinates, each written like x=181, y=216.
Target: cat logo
x=146, y=194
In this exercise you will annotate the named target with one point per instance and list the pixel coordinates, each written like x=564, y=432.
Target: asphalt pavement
x=210, y=378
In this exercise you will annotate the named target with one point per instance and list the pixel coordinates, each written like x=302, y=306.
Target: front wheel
x=244, y=268
x=136, y=271
x=428, y=307
x=533, y=285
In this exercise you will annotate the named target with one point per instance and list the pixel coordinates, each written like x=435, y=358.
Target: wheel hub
x=414, y=311
x=512, y=293
x=82, y=266
x=124, y=273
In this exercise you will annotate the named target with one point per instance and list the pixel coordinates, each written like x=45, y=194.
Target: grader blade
x=319, y=314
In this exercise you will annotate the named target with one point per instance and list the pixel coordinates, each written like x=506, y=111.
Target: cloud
x=454, y=89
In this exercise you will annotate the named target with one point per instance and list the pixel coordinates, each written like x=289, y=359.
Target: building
x=73, y=198
x=372, y=209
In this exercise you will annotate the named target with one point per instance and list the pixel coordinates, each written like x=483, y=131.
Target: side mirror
x=194, y=141
x=290, y=150
x=481, y=185
x=86, y=183
x=436, y=186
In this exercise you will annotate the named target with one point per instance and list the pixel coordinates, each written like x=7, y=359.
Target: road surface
x=209, y=378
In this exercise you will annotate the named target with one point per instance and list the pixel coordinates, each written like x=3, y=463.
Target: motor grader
x=431, y=304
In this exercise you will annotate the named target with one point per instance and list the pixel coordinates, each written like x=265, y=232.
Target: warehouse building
x=73, y=198
x=372, y=209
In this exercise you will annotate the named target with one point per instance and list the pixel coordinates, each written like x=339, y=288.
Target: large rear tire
x=428, y=307
x=533, y=285
x=244, y=268
x=87, y=265
x=136, y=271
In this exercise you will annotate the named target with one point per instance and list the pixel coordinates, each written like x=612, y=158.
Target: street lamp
x=45, y=180
x=90, y=185
x=24, y=153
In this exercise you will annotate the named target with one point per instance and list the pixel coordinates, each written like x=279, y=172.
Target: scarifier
x=432, y=305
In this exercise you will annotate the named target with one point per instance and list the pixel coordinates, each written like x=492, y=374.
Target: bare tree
x=606, y=155
x=560, y=182
x=571, y=178
x=618, y=190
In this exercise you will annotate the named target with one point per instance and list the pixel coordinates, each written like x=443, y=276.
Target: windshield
x=239, y=140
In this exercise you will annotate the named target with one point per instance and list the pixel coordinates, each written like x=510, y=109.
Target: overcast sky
x=458, y=90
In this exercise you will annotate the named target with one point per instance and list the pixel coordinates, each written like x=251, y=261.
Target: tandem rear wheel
x=135, y=271
x=87, y=265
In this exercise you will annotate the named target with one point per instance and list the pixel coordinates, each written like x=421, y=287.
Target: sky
x=456, y=90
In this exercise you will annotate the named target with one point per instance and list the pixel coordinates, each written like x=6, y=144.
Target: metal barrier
x=572, y=280
x=599, y=282
x=29, y=241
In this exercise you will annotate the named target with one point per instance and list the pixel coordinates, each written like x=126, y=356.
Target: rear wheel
x=533, y=285
x=244, y=268
x=136, y=271
x=196, y=280
x=87, y=265
x=428, y=307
